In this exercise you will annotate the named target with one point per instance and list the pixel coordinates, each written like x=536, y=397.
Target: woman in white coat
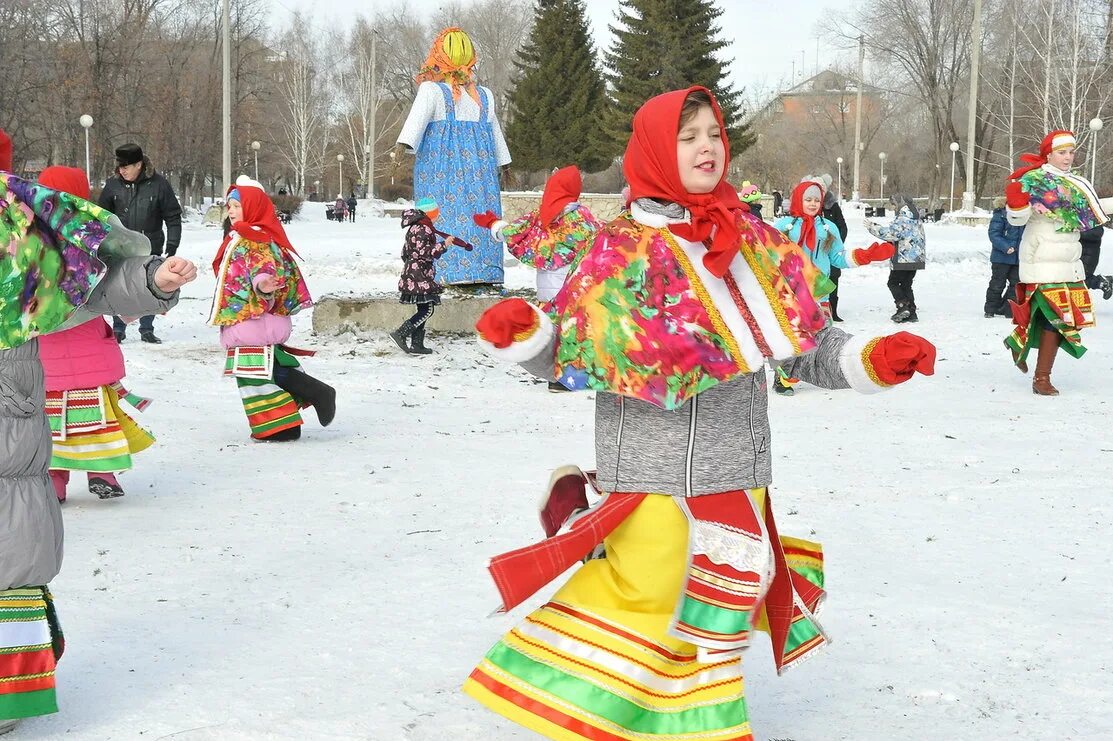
x=1052, y=305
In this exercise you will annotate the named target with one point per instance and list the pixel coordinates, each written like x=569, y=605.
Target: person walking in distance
x=144, y=201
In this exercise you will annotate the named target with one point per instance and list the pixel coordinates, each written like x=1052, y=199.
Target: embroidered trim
x=868, y=364
x=705, y=298
x=774, y=300
x=747, y=315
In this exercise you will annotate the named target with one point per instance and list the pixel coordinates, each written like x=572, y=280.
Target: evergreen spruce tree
x=664, y=45
x=559, y=95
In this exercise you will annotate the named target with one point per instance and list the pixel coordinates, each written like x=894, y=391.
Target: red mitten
x=509, y=321
x=1015, y=196
x=876, y=252
x=485, y=219
x=899, y=356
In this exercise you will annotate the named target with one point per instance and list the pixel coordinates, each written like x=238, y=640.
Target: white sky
x=767, y=36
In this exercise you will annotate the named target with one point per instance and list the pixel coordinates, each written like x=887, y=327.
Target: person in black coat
x=1091, y=254
x=144, y=201
x=832, y=211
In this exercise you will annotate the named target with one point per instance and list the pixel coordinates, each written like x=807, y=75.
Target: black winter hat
x=128, y=154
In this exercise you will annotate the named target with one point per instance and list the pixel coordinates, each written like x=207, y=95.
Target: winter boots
x=401, y=336
x=834, y=301
x=410, y=338
x=310, y=390
x=7, y=726
x=283, y=436
x=1105, y=283
x=105, y=486
x=905, y=312
x=1041, y=379
x=417, y=342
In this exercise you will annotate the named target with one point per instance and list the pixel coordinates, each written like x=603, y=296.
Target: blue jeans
x=146, y=324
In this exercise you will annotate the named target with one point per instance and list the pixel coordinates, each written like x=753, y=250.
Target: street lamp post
x=340, y=159
x=317, y=187
x=839, y=161
x=881, y=156
x=255, y=149
x=1095, y=127
x=393, y=165
x=954, y=157
x=86, y=122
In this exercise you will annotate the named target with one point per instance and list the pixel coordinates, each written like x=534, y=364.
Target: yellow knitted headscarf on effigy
x=451, y=60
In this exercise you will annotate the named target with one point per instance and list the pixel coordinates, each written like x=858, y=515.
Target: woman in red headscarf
x=259, y=286
x=670, y=318
x=1053, y=303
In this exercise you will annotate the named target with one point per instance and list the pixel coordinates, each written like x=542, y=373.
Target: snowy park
x=336, y=589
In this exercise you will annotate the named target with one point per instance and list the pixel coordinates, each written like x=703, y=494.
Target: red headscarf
x=1047, y=146
x=5, y=152
x=564, y=187
x=259, y=223
x=70, y=180
x=650, y=168
x=796, y=208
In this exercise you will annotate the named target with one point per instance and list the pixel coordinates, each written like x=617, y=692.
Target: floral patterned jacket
x=419, y=251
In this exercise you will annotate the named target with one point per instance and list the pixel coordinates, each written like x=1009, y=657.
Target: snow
x=335, y=588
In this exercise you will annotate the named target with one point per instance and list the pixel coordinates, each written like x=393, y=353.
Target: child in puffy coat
x=418, y=284
x=71, y=257
x=83, y=366
x=1004, y=262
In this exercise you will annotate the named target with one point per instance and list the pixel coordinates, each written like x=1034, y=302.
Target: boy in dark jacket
x=1004, y=260
x=1091, y=254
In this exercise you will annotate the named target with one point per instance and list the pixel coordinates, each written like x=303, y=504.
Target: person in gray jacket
x=31, y=525
x=670, y=318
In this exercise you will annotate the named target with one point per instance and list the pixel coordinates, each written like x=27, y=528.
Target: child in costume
x=670, y=317
x=418, y=284
x=61, y=263
x=1052, y=304
x=751, y=196
x=83, y=366
x=552, y=238
x=821, y=241
x=259, y=287
x=906, y=231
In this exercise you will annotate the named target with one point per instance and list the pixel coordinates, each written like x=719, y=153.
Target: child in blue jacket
x=1004, y=262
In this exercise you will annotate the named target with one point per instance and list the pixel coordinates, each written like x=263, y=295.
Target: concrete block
x=458, y=311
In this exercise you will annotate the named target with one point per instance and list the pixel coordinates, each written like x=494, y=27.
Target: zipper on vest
x=756, y=387
x=691, y=447
x=618, y=441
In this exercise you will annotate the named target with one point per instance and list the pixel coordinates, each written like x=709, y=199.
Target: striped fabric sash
x=250, y=362
x=30, y=645
x=739, y=572
x=76, y=411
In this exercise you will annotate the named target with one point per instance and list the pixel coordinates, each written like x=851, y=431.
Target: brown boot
x=1041, y=379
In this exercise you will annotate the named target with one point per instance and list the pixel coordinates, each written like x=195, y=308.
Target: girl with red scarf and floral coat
x=1052, y=304
x=670, y=318
x=259, y=287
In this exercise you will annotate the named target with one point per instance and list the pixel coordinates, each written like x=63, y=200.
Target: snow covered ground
x=335, y=588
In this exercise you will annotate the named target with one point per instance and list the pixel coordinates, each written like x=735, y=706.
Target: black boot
x=834, y=299
x=417, y=342
x=315, y=393
x=912, y=314
x=283, y=436
x=902, y=312
x=402, y=335
x=150, y=336
x=1105, y=282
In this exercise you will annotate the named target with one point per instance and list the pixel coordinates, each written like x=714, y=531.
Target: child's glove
x=173, y=273
x=899, y=356
x=512, y=320
x=485, y=219
x=1015, y=196
x=876, y=252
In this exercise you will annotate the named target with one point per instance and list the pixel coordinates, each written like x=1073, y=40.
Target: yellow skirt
x=107, y=449
x=597, y=661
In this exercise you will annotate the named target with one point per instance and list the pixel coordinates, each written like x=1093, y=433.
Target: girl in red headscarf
x=1053, y=303
x=259, y=286
x=83, y=367
x=551, y=238
x=670, y=317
